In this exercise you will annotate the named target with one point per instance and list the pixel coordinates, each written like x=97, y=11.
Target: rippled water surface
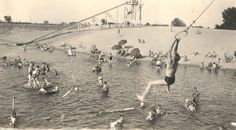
x=80, y=108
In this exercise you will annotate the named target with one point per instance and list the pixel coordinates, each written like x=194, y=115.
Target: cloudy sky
x=154, y=11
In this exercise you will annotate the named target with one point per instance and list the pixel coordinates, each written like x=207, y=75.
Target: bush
x=178, y=22
x=8, y=19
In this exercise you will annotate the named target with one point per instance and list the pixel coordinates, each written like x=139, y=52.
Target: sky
x=154, y=11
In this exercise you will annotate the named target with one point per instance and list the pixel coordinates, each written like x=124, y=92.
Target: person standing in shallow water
x=30, y=73
x=35, y=76
x=171, y=68
x=105, y=88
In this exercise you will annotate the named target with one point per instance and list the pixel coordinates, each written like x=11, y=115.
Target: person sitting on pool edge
x=171, y=68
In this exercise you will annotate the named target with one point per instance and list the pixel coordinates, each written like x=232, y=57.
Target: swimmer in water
x=190, y=105
x=105, y=88
x=196, y=96
x=43, y=71
x=155, y=113
x=100, y=81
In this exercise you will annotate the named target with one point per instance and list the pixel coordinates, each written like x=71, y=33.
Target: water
x=79, y=109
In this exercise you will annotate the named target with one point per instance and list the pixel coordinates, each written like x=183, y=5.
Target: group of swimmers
x=45, y=47
x=211, y=55
x=34, y=72
x=213, y=65
x=192, y=105
x=141, y=41
x=102, y=84
x=17, y=62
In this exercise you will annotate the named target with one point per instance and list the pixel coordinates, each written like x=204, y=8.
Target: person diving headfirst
x=171, y=68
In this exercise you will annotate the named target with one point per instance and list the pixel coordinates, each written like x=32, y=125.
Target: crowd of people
x=37, y=77
x=17, y=62
x=37, y=74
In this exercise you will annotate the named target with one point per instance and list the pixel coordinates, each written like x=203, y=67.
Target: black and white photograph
x=118, y=64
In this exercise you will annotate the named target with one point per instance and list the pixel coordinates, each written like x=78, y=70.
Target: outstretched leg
x=157, y=82
x=34, y=82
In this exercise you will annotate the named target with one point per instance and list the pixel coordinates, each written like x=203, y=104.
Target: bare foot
x=139, y=97
x=141, y=100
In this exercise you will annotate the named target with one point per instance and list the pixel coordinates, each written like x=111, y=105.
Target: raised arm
x=174, y=48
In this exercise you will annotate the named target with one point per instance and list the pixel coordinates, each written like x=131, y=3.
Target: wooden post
x=13, y=104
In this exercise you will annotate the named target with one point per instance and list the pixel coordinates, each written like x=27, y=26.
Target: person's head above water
x=31, y=64
x=158, y=106
x=142, y=104
x=187, y=100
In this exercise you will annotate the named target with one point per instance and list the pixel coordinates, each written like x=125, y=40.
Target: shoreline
x=226, y=66
x=156, y=39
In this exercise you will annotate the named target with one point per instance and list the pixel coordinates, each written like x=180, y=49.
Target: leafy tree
x=229, y=19
x=178, y=22
x=8, y=19
x=147, y=24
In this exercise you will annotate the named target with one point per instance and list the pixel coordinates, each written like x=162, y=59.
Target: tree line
x=228, y=15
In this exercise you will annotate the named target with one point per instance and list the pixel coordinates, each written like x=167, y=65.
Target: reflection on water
x=80, y=108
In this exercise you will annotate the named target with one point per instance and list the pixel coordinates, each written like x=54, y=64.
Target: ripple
x=80, y=107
